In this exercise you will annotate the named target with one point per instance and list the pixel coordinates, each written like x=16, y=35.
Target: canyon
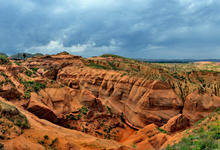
x=65, y=101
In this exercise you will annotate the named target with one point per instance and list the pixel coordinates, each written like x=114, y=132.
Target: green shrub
x=53, y=142
x=162, y=130
x=112, y=65
x=27, y=94
x=109, y=110
x=17, y=63
x=133, y=146
x=28, y=73
x=34, y=69
x=3, y=59
x=46, y=137
x=33, y=86
x=84, y=110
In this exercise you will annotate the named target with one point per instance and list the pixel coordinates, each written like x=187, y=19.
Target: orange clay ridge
x=67, y=102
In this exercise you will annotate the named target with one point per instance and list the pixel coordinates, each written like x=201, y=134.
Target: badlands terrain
x=67, y=102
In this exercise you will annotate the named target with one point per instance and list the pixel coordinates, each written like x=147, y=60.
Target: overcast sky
x=132, y=28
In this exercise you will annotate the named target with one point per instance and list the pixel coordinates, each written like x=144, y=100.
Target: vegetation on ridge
x=206, y=135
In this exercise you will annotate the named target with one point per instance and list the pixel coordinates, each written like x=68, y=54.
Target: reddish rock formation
x=125, y=94
x=198, y=105
x=176, y=123
x=39, y=109
x=118, y=102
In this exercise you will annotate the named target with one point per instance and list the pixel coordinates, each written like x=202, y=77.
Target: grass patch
x=32, y=86
x=96, y=66
x=17, y=63
x=112, y=55
x=162, y=130
x=28, y=73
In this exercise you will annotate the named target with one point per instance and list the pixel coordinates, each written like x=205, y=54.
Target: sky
x=151, y=29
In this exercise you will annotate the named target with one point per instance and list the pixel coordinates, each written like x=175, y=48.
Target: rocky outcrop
x=179, y=122
x=132, y=96
x=39, y=109
x=10, y=94
x=198, y=105
x=147, y=138
x=158, y=140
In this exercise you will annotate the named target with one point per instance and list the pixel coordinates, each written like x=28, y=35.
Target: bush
x=28, y=73
x=46, y=137
x=27, y=94
x=17, y=63
x=162, y=130
x=35, y=86
x=3, y=59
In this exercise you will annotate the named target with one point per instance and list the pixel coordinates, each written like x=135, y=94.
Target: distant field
x=195, y=66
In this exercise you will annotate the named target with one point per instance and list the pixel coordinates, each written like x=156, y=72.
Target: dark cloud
x=133, y=28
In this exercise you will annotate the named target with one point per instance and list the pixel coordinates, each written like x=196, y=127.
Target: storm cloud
x=132, y=28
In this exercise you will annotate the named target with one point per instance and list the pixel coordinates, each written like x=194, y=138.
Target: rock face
x=147, y=138
x=198, y=106
x=135, y=97
x=39, y=109
x=176, y=123
x=10, y=94
x=43, y=134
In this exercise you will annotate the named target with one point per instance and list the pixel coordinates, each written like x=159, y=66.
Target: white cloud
x=89, y=48
x=124, y=27
x=56, y=46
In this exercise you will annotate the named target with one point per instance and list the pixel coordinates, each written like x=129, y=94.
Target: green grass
x=112, y=55
x=96, y=66
x=112, y=65
x=162, y=130
x=17, y=63
x=201, y=139
x=29, y=73
x=133, y=146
